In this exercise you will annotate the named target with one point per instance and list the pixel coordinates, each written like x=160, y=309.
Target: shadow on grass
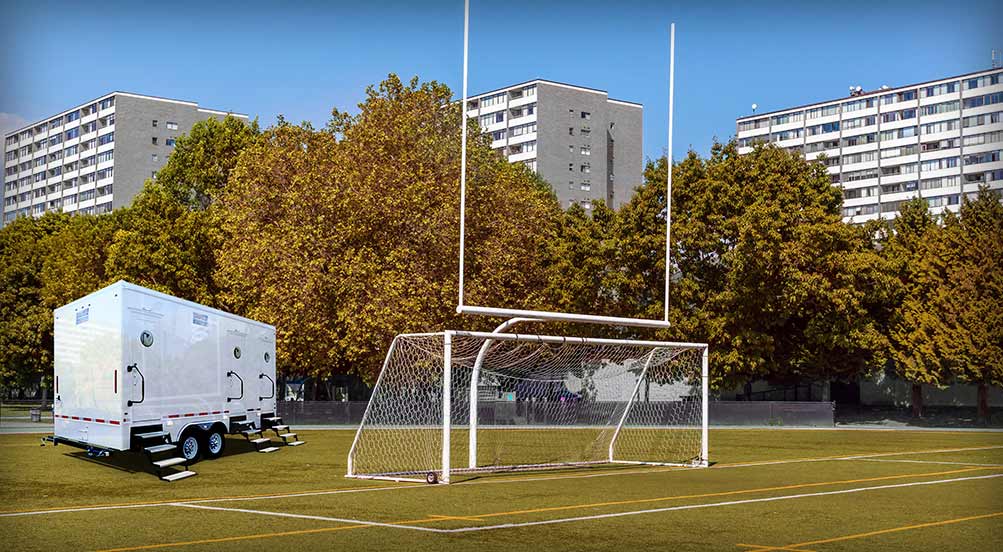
x=138, y=462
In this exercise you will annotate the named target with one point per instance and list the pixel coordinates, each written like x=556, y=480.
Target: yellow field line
x=724, y=493
x=492, y=480
x=476, y=517
x=760, y=548
x=259, y=536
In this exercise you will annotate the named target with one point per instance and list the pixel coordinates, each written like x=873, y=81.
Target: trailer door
x=143, y=373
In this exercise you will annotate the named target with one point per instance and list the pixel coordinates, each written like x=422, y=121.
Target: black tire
x=431, y=478
x=214, y=443
x=190, y=445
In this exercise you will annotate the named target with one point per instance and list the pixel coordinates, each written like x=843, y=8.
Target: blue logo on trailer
x=83, y=315
x=200, y=319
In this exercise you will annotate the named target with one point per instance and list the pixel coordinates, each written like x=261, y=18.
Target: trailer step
x=269, y=449
x=248, y=432
x=261, y=440
x=278, y=428
x=160, y=448
x=272, y=419
x=152, y=435
x=178, y=475
x=287, y=435
x=295, y=443
x=170, y=462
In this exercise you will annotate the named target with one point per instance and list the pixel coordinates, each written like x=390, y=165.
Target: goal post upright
x=447, y=385
x=705, y=407
x=369, y=406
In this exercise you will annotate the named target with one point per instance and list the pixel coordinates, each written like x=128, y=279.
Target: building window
x=107, y=102
x=154, y=140
x=106, y=139
x=586, y=131
x=154, y=123
x=586, y=115
x=169, y=142
x=586, y=150
x=154, y=158
x=172, y=125
x=571, y=166
x=586, y=168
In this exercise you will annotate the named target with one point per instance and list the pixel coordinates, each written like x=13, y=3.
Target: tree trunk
x=984, y=403
x=917, y=400
x=45, y=395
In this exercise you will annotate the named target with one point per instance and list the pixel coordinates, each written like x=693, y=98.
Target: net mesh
x=539, y=404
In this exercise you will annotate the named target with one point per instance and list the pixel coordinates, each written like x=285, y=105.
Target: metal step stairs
x=275, y=424
x=156, y=443
x=261, y=443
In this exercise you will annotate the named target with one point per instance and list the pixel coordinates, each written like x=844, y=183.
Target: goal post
x=458, y=402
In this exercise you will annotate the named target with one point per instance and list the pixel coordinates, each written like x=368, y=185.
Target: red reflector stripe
x=203, y=413
x=113, y=422
x=99, y=420
x=74, y=417
x=174, y=416
x=87, y=419
x=189, y=414
x=215, y=412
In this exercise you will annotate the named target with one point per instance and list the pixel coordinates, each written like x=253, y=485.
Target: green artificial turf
x=309, y=481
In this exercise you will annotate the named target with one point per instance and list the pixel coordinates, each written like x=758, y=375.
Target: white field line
x=487, y=482
x=593, y=517
x=305, y=516
x=925, y=462
x=712, y=505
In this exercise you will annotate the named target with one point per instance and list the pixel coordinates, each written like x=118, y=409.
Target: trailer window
x=236, y=352
x=146, y=338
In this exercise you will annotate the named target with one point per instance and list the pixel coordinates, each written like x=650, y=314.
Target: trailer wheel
x=189, y=445
x=215, y=442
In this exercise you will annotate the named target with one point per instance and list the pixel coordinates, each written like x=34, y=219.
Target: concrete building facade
x=94, y=157
x=586, y=145
x=939, y=140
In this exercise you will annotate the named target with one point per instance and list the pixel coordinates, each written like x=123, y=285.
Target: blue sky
x=302, y=58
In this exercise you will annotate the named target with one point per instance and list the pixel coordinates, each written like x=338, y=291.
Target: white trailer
x=139, y=370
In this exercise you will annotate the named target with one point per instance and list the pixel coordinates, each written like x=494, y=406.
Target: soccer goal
x=466, y=402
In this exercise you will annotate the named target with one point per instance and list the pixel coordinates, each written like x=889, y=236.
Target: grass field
x=791, y=490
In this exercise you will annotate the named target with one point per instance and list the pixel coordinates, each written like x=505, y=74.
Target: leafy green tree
x=169, y=238
x=346, y=236
x=75, y=258
x=908, y=245
x=25, y=321
x=763, y=267
x=966, y=307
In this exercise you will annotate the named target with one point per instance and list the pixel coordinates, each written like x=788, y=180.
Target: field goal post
x=535, y=402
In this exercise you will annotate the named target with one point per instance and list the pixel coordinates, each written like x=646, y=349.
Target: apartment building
x=939, y=140
x=586, y=145
x=93, y=157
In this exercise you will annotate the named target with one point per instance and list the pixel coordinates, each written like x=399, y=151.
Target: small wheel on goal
x=431, y=478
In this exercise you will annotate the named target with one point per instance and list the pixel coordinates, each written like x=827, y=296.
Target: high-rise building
x=938, y=140
x=93, y=157
x=584, y=143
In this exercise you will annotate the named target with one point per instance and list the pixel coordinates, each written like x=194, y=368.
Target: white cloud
x=11, y=121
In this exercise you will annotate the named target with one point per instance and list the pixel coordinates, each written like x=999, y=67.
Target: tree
x=763, y=267
x=75, y=258
x=909, y=244
x=25, y=322
x=169, y=238
x=966, y=270
x=347, y=236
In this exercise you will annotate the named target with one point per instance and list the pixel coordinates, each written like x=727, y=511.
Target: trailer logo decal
x=200, y=319
x=83, y=315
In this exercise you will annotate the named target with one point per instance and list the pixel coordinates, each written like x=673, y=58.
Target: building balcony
x=523, y=156
x=524, y=100
x=529, y=137
x=522, y=120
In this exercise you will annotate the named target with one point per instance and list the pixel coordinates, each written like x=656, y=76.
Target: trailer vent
x=146, y=338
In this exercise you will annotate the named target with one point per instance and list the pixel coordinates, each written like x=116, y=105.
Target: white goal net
x=461, y=402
